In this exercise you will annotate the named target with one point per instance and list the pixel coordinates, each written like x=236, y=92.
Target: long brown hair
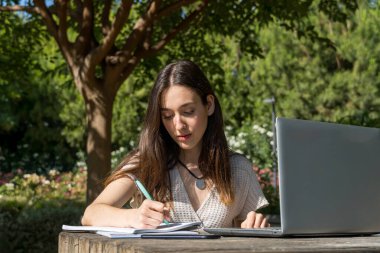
x=157, y=152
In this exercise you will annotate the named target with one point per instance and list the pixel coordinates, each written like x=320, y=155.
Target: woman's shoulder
x=242, y=172
x=240, y=162
x=130, y=162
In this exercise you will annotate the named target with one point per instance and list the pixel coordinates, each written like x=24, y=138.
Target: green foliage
x=13, y=62
x=37, y=95
x=36, y=229
x=314, y=82
x=34, y=207
x=252, y=141
x=34, y=189
x=130, y=105
x=309, y=80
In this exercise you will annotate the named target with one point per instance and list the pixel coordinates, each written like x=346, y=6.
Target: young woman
x=184, y=161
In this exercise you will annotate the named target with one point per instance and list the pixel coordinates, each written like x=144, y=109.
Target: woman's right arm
x=106, y=210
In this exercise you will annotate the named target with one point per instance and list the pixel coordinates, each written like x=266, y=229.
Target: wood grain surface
x=86, y=242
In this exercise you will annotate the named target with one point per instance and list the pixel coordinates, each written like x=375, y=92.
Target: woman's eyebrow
x=184, y=105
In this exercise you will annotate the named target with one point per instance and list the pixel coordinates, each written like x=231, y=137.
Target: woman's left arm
x=249, y=195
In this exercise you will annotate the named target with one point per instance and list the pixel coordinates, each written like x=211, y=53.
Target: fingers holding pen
x=167, y=214
x=150, y=214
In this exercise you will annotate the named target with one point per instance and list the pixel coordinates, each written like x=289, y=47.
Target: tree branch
x=127, y=70
x=173, y=32
x=167, y=10
x=139, y=29
x=47, y=17
x=127, y=64
x=144, y=25
x=59, y=32
x=62, y=27
x=83, y=41
x=79, y=4
x=124, y=56
x=78, y=11
x=29, y=9
x=124, y=59
x=70, y=13
x=106, y=25
x=121, y=16
x=148, y=38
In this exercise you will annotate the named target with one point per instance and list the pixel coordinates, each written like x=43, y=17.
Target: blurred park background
x=320, y=60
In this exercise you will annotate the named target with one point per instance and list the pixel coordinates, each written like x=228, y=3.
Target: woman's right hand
x=107, y=209
x=149, y=215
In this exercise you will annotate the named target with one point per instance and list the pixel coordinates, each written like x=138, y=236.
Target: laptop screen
x=329, y=177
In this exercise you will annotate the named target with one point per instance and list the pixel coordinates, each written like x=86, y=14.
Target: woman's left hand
x=255, y=220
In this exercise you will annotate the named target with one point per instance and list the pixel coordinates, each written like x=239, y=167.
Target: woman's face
x=184, y=116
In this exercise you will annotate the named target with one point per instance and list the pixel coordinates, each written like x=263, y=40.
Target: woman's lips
x=184, y=137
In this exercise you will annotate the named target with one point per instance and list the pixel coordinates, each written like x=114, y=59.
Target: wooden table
x=85, y=242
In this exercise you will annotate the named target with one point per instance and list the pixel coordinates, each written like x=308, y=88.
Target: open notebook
x=187, y=230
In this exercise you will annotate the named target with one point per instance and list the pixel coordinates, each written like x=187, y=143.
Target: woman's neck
x=190, y=157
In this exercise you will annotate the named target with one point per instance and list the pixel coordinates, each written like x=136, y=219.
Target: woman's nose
x=179, y=123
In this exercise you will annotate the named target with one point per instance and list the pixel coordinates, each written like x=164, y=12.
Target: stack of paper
x=147, y=235
x=170, y=230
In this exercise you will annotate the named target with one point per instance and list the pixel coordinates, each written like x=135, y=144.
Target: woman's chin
x=185, y=146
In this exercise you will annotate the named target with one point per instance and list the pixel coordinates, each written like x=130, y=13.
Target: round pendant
x=200, y=183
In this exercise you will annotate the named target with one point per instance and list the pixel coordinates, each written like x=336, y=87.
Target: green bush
x=36, y=228
x=34, y=207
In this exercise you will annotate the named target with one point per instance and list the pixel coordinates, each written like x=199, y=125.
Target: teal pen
x=143, y=190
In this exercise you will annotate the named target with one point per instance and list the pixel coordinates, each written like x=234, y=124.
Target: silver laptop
x=329, y=179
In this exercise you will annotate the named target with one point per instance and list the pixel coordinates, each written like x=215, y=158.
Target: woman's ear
x=210, y=104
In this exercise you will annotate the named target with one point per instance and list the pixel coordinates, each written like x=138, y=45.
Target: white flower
x=34, y=178
x=81, y=164
x=45, y=182
x=26, y=176
x=53, y=172
x=259, y=129
x=270, y=134
x=10, y=186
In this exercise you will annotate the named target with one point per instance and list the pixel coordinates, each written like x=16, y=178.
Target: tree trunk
x=99, y=121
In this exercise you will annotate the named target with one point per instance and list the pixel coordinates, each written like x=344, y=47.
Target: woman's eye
x=167, y=116
x=190, y=112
